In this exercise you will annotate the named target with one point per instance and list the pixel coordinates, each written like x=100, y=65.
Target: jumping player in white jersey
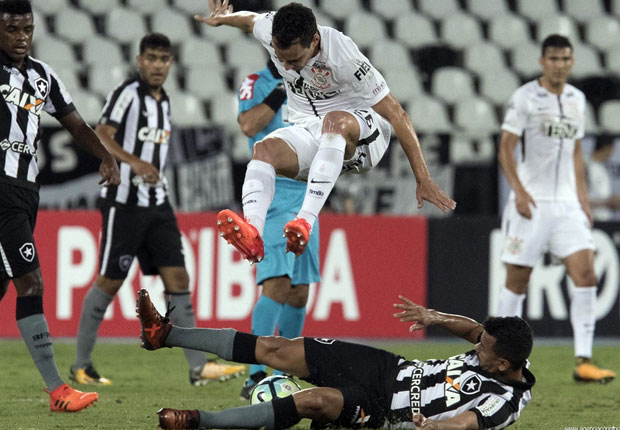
x=548, y=207
x=341, y=110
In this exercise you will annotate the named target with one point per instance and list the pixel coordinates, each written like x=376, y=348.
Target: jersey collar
x=5, y=60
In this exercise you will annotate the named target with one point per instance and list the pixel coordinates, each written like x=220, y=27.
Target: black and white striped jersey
x=143, y=129
x=441, y=389
x=26, y=93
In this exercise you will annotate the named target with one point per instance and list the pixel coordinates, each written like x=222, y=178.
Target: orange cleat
x=588, y=372
x=297, y=233
x=241, y=234
x=176, y=419
x=155, y=328
x=67, y=399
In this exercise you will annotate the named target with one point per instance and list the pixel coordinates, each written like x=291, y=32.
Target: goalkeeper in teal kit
x=284, y=278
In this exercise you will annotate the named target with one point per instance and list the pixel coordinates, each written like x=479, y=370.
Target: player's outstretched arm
x=465, y=421
x=458, y=325
x=221, y=13
x=390, y=109
x=86, y=137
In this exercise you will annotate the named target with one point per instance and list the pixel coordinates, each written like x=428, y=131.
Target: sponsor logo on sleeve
x=491, y=406
x=246, y=91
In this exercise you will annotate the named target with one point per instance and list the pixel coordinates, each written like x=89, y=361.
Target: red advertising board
x=366, y=261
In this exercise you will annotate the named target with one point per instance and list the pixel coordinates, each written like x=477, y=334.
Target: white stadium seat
x=70, y=79
x=222, y=35
x=423, y=33
x=475, y=116
x=365, y=29
x=438, y=9
x=388, y=54
x=88, y=105
x=99, y=7
x=583, y=10
x=40, y=26
x=465, y=150
x=404, y=83
x=390, y=9
x=536, y=9
x=615, y=7
x=175, y=25
x=608, y=114
x=246, y=52
x=55, y=52
x=103, y=80
x=603, y=32
x=74, y=25
x=205, y=85
x=525, y=59
x=429, y=115
x=324, y=20
x=486, y=9
x=49, y=7
x=452, y=84
x=560, y=24
x=192, y=7
x=460, y=30
x=148, y=7
x=101, y=51
x=224, y=111
x=591, y=124
x=341, y=9
x=197, y=51
x=483, y=58
x=187, y=110
x=277, y=4
x=125, y=25
x=587, y=61
x=499, y=85
x=612, y=59
x=509, y=30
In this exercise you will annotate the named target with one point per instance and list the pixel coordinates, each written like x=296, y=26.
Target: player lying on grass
x=357, y=385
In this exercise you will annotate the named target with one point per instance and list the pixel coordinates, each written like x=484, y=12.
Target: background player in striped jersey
x=28, y=87
x=361, y=386
x=342, y=113
x=548, y=206
x=284, y=278
x=138, y=219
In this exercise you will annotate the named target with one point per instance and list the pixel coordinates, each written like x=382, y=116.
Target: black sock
x=244, y=347
x=285, y=413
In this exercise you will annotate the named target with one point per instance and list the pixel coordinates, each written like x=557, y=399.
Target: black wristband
x=275, y=99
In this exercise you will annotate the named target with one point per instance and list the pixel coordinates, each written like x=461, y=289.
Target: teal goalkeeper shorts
x=304, y=269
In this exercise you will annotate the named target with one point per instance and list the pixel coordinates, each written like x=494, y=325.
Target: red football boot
x=297, y=233
x=241, y=234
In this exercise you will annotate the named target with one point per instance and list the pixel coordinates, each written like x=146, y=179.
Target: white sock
x=510, y=304
x=583, y=319
x=257, y=192
x=324, y=171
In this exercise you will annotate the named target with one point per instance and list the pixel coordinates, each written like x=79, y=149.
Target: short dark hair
x=15, y=7
x=555, y=41
x=292, y=23
x=155, y=41
x=513, y=339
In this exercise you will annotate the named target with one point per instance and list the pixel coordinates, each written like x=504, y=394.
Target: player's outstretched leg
x=155, y=328
x=67, y=399
x=297, y=233
x=241, y=234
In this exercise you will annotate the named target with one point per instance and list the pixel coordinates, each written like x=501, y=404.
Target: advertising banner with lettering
x=363, y=270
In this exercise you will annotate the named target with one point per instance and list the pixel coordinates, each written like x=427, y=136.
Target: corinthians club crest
x=320, y=77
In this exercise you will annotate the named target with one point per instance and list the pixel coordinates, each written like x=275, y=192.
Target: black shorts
x=362, y=373
x=151, y=234
x=18, y=215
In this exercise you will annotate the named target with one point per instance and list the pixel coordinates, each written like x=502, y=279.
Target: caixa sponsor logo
x=155, y=135
x=19, y=147
x=21, y=99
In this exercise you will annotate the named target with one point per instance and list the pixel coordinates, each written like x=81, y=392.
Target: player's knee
x=298, y=296
x=318, y=404
x=109, y=286
x=177, y=281
x=585, y=277
x=339, y=122
x=30, y=284
x=263, y=150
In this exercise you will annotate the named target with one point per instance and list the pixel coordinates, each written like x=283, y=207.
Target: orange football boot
x=297, y=233
x=67, y=399
x=241, y=234
x=585, y=371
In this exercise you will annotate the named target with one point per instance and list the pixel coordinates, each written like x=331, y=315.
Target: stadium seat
x=536, y=9
x=40, y=26
x=615, y=7
x=429, y=115
x=452, y=84
x=324, y=20
x=438, y=9
x=70, y=79
x=465, y=150
x=192, y=7
x=460, y=30
x=341, y=9
x=583, y=10
x=203, y=85
x=404, y=83
x=103, y=80
x=175, y=25
x=475, y=116
x=101, y=51
x=277, y=4
x=509, y=30
x=246, y=52
x=591, y=124
x=560, y=24
x=148, y=7
x=172, y=82
x=99, y=7
x=187, y=111
x=525, y=60
x=587, y=62
x=50, y=7
x=423, y=35
x=612, y=60
x=74, y=25
x=222, y=35
x=388, y=54
x=197, y=51
x=88, y=105
x=599, y=89
x=364, y=28
x=390, y=9
x=499, y=85
x=55, y=52
x=603, y=32
x=483, y=58
x=125, y=25
x=608, y=114
x=224, y=111
x=486, y=9
x=431, y=58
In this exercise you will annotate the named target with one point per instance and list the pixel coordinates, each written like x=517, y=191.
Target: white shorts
x=304, y=140
x=559, y=227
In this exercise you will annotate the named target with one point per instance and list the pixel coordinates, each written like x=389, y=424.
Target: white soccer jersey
x=339, y=77
x=549, y=124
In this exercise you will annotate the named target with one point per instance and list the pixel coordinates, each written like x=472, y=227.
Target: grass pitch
x=146, y=381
